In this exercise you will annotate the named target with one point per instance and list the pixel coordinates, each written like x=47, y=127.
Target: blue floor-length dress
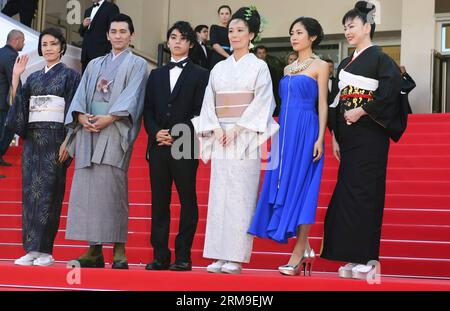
x=290, y=192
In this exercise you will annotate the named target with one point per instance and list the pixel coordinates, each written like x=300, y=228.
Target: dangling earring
x=251, y=46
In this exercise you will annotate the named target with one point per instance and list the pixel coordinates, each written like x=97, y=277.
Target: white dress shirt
x=175, y=73
x=95, y=10
x=203, y=47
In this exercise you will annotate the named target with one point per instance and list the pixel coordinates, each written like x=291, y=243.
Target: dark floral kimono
x=43, y=177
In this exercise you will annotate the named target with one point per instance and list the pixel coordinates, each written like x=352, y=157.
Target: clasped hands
x=352, y=116
x=163, y=138
x=95, y=124
x=227, y=137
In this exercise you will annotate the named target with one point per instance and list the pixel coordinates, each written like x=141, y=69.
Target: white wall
x=150, y=19
x=280, y=14
x=418, y=40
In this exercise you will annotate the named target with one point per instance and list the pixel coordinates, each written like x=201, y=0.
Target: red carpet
x=415, y=235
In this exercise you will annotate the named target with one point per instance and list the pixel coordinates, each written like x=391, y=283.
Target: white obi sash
x=347, y=78
x=47, y=108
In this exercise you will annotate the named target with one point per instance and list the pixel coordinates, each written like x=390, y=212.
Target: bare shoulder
x=321, y=64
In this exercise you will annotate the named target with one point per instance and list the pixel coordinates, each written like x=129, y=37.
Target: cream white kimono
x=238, y=94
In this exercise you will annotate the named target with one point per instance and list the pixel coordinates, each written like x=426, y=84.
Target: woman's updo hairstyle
x=250, y=17
x=313, y=28
x=365, y=11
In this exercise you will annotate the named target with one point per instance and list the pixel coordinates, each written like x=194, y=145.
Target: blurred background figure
x=408, y=84
x=200, y=54
x=25, y=8
x=333, y=87
x=8, y=55
x=94, y=28
x=275, y=73
x=219, y=36
x=291, y=57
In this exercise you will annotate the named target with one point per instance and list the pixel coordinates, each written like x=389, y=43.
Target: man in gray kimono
x=104, y=120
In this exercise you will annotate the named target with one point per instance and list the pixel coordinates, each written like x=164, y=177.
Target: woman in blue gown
x=288, y=201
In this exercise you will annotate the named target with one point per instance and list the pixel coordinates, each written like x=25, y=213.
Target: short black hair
x=123, y=18
x=328, y=60
x=225, y=7
x=313, y=28
x=253, y=21
x=54, y=32
x=365, y=11
x=261, y=47
x=199, y=28
x=185, y=29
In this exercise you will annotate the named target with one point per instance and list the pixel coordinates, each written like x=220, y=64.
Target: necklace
x=297, y=67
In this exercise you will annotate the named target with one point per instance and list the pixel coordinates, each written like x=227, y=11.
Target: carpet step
x=138, y=279
x=389, y=247
x=392, y=200
x=426, y=217
x=327, y=186
x=142, y=238
x=259, y=260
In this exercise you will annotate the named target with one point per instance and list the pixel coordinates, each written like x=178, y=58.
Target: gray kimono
x=98, y=205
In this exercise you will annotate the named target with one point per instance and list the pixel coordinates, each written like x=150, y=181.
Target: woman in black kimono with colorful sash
x=37, y=115
x=364, y=110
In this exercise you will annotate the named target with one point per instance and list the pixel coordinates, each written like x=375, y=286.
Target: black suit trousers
x=164, y=170
x=14, y=7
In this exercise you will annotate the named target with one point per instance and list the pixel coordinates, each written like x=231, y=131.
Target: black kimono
x=353, y=221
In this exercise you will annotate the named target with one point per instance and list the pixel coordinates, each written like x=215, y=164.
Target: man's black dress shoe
x=181, y=266
x=120, y=264
x=157, y=265
x=98, y=262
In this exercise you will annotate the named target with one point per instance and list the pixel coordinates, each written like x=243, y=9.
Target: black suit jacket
x=197, y=55
x=8, y=57
x=95, y=42
x=163, y=109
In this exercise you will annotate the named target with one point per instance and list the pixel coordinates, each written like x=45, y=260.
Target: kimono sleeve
x=385, y=105
x=17, y=117
x=258, y=114
x=207, y=122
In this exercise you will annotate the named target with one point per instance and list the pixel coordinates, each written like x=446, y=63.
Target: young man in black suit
x=94, y=28
x=174, y=96
x=200, y=53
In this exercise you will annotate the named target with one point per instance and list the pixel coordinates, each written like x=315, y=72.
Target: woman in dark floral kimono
x=37, y=115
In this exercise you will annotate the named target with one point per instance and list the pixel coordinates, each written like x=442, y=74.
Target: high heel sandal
x=305, y=264
x=310, y=262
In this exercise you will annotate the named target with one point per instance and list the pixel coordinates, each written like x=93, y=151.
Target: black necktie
x=179, y=64
x=96, y=4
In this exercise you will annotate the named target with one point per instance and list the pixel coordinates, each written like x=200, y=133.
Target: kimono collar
x=235, y=62
x=356, y=53
x=113, y=56
x=47, y=69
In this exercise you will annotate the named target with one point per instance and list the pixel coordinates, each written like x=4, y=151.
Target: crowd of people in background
x=225, y=95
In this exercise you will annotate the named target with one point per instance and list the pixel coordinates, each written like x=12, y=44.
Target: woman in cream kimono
x=236, y=118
